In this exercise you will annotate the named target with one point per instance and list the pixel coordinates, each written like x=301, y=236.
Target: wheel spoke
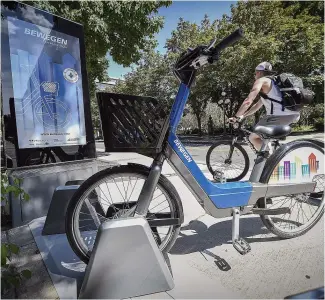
x=114, y=196
x=217, y=161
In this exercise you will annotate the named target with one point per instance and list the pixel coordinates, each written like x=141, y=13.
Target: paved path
x=205, y=265
x=273, y=269
x=199, y=151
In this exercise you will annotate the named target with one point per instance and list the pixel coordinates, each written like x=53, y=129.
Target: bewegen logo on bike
x=182, y=150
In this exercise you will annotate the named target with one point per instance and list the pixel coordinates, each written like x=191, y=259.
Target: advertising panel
x=47, y=86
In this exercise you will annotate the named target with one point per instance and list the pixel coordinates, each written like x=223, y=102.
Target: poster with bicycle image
x=47, y=85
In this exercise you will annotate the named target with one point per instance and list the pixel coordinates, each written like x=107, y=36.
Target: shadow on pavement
x=63, y=262
x=203, y=237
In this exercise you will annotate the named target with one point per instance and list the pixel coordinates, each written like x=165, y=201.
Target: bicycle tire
x=270, y=165
x=133, y=169
x=315, y=141
x=236, y=145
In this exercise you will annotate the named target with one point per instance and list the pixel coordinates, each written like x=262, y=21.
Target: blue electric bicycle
x=285, y=188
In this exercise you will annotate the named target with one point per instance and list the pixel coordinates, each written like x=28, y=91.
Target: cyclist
x=275, y=115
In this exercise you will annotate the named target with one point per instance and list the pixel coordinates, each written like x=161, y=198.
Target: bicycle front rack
x=132, y=123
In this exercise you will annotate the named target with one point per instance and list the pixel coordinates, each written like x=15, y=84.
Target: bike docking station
x=131, y=266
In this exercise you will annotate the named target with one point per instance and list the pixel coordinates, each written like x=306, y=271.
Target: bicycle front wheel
x=298, y=161
x=111, y=194
x=230, y=159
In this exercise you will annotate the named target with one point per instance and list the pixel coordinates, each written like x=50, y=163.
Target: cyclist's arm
x=254, y=108
x=251, y=97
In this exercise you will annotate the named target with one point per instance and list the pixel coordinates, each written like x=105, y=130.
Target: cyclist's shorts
x=279, y=120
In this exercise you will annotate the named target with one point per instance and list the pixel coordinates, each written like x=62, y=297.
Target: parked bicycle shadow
x=200, y=237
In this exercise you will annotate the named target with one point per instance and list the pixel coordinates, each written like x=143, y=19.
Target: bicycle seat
x=273, y=131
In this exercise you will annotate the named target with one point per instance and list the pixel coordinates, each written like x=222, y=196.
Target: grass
x=303, y=128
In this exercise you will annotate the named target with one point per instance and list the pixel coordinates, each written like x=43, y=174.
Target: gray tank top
x=275, y=94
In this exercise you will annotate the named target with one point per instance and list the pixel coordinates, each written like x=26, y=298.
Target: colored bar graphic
x=293, y=170
x=305, y=170
x=287, y=169
x=281, y=172
x=312, y=163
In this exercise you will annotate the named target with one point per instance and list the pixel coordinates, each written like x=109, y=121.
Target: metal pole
x=224, y=118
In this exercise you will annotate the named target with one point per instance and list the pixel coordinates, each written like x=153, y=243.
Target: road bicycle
x=292, y=177
x=228, y=161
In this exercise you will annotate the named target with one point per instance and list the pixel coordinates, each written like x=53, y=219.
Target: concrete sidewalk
x=204, y=263
x=274, y=268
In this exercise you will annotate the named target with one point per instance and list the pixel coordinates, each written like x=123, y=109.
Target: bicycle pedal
x=218, y=176
x=241, y=246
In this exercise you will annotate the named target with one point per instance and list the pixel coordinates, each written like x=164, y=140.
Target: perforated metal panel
x=132, y=123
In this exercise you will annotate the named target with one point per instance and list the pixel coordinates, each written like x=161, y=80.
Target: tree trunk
x=199, y=124
x=257, y=116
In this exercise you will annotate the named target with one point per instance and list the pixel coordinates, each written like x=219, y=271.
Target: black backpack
x=294, y=95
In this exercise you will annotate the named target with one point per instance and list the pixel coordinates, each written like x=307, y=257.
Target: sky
x=192, y=11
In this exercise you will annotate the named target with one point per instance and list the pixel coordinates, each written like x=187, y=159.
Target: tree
x=289, y=35
x=188, y=35
x=153, y=77
x=123, y=28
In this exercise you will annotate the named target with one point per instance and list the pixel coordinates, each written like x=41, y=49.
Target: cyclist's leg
x=256, y=140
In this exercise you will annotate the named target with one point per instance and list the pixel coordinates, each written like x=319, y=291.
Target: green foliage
x=153, y=77
x=10, y=277
x=319, y=124
x=13, y=187
x=302, y=128
x=123, y=28
x=317, y=111
x=95, y=112
x=290, y=37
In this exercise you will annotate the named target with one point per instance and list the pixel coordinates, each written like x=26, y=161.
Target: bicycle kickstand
x=239, y=243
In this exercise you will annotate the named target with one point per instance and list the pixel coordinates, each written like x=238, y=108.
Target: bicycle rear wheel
x=230, y=159
x=298, y=161
x=110, y=194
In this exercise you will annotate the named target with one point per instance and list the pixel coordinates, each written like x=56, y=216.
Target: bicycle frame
x=244, y=133
x=217, y=199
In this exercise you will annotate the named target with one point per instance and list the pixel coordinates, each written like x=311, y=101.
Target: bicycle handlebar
x=229, y=40
x=201, y=55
